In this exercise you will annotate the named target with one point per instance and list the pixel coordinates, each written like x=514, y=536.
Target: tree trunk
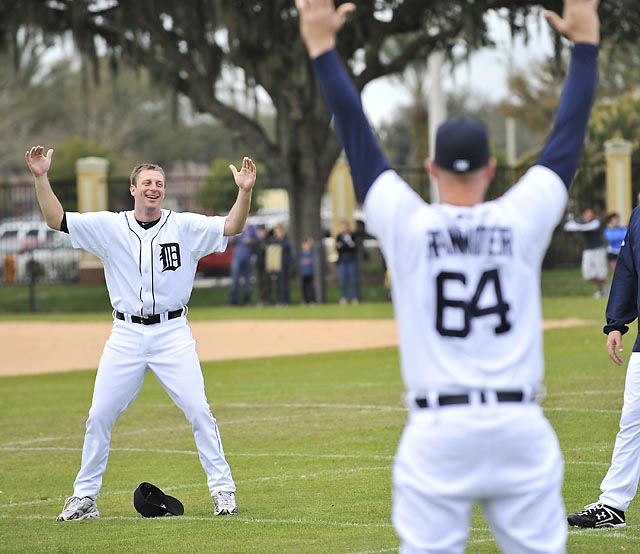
x=305, y=198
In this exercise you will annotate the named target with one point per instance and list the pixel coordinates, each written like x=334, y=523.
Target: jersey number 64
x=470, y=308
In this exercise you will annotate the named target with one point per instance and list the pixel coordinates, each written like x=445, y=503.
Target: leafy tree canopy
x=208, y=49
x=66, y=154
x=217, y=193
x=616, y=113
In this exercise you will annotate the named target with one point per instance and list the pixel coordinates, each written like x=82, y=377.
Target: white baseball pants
x=620, y=484
x=505, y=457
x=169, y=350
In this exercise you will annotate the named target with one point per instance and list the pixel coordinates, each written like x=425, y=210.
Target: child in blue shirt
x=614, y=233
x=306, y=266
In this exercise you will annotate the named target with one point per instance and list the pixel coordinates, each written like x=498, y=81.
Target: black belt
x=451, y=399
x=149, y=319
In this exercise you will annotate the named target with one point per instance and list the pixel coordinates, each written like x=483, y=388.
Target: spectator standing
x=262, y=278
x=347, y=264
x=243, y=245
x=306, y=268
x=278, y=262
x=614, y=233
x=594, y=255
x=359, y=236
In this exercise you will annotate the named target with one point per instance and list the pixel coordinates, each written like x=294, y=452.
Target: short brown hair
x=141, y=167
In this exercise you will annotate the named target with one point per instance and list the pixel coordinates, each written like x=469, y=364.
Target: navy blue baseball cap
x=150, y=501
x=462, y=145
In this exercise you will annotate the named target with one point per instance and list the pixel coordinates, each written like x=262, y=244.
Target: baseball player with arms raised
x=149, y=256
x=465, y=277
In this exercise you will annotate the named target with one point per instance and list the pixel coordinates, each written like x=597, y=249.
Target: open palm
x=38, y=162
x=246, y=177
x=579, y=21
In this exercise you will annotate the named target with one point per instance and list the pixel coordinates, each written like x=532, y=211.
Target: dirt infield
x=30, y=348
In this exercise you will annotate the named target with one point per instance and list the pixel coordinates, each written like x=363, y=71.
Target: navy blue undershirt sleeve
x=63, y=224
x=564, y=146
x=365, y=156
x=622, y=306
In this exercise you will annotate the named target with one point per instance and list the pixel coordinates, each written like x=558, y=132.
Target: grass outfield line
x=310, y=440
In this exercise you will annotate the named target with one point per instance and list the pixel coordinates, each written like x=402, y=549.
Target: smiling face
x=148, y=194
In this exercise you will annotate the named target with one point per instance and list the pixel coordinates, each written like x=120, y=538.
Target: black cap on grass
x=150, y=501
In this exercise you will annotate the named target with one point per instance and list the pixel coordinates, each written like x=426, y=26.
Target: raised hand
x=579, y=21
x=38, y=163
x=320, y=22
x=246, y=177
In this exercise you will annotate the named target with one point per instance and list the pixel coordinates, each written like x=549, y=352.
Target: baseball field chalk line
x=395, y=548
x=283, y=477
x=240, y=519
x=172, y=428
x=375, y=551
x=375, y=407
x=582, y=410
x=235, y=518
x=195, y=453
x=585, y=393
x=605, y=448
x=324, y=523
x=242, y=421
x=608, y=533
x=238, y=455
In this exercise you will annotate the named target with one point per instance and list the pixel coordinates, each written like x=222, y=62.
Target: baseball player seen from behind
x=149, y=256
x=465, y=279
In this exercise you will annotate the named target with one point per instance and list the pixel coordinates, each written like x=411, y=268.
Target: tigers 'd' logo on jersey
x=170, y=256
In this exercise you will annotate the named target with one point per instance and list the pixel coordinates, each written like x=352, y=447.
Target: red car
x=217, y=264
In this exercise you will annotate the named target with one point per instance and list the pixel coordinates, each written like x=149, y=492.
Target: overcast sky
x=486, y=73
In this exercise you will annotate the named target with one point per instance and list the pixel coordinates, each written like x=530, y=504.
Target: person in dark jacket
x=278, y=262
x=306, y=268
x=347, y=264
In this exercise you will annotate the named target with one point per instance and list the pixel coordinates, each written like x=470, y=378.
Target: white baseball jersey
x=148, y=271
x=466, y=281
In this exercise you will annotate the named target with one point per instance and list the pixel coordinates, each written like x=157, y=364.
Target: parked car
x=49, y=263
x=217, y=264
x=22, y=234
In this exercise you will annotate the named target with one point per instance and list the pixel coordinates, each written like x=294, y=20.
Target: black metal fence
x=32, y=253
x=587, y=189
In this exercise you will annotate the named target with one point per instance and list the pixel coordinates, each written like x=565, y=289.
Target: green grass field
x=310, y=440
